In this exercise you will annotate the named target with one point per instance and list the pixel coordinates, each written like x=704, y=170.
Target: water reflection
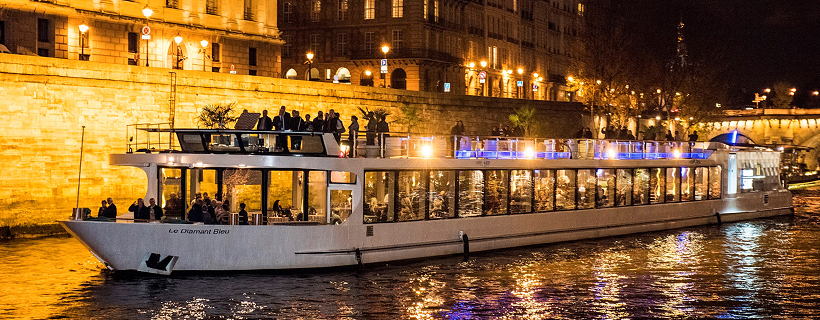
x=756, y=269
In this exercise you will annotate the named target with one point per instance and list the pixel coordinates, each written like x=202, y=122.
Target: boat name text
x=199, y=231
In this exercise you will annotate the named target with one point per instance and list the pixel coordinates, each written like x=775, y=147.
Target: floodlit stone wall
x=45, y=102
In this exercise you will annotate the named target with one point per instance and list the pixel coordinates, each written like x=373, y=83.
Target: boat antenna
x=82, y=143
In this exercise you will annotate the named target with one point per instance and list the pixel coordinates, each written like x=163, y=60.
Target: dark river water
x=762, y=269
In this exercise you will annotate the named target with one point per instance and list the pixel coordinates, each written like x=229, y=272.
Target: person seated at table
x=196, y=214
x=276, y=209
x=223, y=215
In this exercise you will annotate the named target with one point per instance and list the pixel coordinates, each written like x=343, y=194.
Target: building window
x=316, y=10
x=435, y=10
x=43, y=52
x=398, y=38
x=398, y=8
x=368, y=43
x=133, y=48
x=251, y=72
x=215, y=69
x=249, y=6
x=215, y=52
x=314, y=44
x=341, y=44
x=211, y=7
x=252, y=56
x=287, y=12
x=424, y=11
x=172, y=4
x=2, y=32
x=287, y=48
x=342, y=13
x=369, y=9
x=43, y=30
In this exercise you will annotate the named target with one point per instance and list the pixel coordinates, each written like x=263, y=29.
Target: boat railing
x=406, y=145
x=149, y=137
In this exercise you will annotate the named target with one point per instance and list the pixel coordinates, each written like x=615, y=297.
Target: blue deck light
x=734, y=137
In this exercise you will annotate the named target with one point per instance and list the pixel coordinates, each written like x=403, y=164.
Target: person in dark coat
x=154, y=211
x=140, y=210
x=693, y=136
x=265, y=123
x=319, y=122
x=243, y=215
x=111, y=210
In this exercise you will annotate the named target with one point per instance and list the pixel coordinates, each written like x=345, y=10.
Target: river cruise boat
x=311, y=205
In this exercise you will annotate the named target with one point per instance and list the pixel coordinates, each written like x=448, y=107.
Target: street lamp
x=147, y=12
x=483, y=84
x=204, y=44
x=521, y=87
x=385, y=49
x=83, y=29
x=178, y=40
x=309, y=56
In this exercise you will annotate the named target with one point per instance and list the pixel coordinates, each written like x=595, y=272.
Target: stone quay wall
x=45, y=102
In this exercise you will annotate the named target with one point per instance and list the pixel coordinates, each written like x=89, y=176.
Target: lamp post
x=535, y=80
x=521, y=87
x=385, y=49
x=83, y=29
x=178, y=40
x=484, y=84
x=204, y=44
x=147, y=12
x=309, y=61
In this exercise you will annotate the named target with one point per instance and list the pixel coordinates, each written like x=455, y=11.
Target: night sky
x=756, y=42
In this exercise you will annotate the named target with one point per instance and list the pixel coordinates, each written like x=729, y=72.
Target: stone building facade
x=218, y=36
x=436, y=42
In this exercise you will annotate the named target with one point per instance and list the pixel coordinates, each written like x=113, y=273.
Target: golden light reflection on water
x=607, y=289
x=675, y=258
x=41, y=278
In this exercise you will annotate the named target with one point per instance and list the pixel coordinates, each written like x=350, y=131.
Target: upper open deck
x=156, y=138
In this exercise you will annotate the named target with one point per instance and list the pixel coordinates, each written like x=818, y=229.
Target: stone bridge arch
x=799, y=131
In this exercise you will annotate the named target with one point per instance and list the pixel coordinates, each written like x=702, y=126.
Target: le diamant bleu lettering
x=199, y=231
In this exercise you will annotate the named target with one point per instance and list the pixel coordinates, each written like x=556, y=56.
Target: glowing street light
x=178, y=40
x=385, y=49
x=309, y=61
x=83, y=28
x=147, y=12
x=204, y=44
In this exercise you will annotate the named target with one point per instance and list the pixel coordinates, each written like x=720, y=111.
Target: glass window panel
x=641, y=187
x=470, y=193
x=317, y=196
x=672, y=184
x=495, y=200
x=379, y=196
x=442, y=194
x=412, y=196
x=623, y=196
x=242, y=186
x=687, y=181
x=171, y=192
x=701, y=183
x=202, y=182
x=586, y=189
x=285, y=194
x=341, y=205
x=342, y=177
x=714, y=182
x=544, y=181
x=565, y=189
x=657, y=185
x=520, y=191
x=606, y=188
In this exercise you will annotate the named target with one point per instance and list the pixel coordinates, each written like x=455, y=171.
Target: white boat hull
x=197, y=247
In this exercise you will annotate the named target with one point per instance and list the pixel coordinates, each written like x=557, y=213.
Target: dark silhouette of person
x=264, y=123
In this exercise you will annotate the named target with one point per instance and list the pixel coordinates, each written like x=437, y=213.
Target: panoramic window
x=470, y=193
x=672, y=184
x=714, y=182
x=442, y=194
x=317, y=196
x=412, y=196
x=565, y=189
x=641, y=186
x=341, y=205
x=342, y=177
x=701, y=183
x=586, y=189
x=623, y=194
x=495, y=196
x=202, y=181
x=606, y=188
x=378, y=196
x=657, y=185
x=242, y=186
x=284, y=195
x=520, y=191
x=544, y=185
x=171, y=193
x=687, y=181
